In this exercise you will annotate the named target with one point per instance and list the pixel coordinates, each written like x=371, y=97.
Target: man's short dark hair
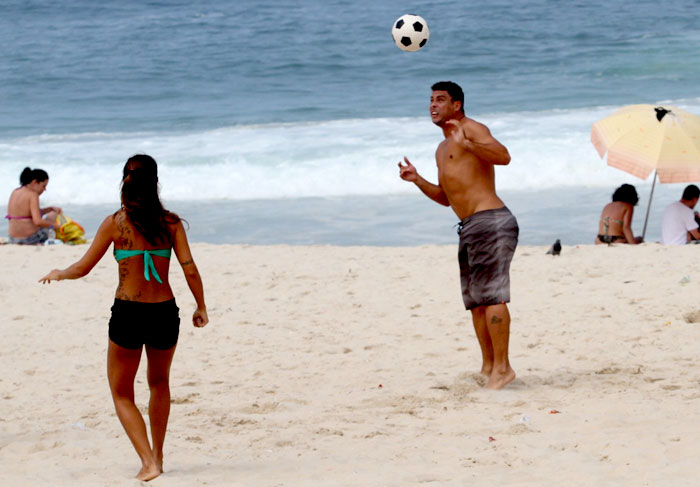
x=691, y=192
x=627, y=194
x=452, y=89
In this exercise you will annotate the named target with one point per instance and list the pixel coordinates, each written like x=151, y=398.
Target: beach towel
x=68, y=231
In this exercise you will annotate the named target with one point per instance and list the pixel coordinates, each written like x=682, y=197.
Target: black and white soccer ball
x=410, y=32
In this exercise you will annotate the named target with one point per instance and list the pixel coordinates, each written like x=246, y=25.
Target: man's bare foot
x=499, y=381
x=148, y=472
x=486, y=369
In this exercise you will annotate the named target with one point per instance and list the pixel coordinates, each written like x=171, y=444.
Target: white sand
x=329, y=366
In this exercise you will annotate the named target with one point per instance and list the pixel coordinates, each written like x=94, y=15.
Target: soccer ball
x=410, y=32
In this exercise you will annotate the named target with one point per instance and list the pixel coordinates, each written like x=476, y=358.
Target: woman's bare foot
x=500, y=380
x=158, y=458
x=148, y=472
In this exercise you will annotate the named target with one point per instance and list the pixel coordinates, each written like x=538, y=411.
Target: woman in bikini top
x=615, y=224
x=26, y=217
x=143, y=235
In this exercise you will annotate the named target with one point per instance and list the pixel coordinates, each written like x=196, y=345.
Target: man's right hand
x=408, y=172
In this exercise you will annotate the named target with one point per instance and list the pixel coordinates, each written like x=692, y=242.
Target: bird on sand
x=556, y=248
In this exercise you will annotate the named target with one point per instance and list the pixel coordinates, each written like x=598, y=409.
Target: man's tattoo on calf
x=496, y=320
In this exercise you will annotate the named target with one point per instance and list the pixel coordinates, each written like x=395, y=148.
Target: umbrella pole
x=646, y=219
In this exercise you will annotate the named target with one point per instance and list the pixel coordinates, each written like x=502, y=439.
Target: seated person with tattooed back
x=615, y=224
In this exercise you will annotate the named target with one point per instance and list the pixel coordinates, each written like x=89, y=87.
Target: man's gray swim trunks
x=487, y=241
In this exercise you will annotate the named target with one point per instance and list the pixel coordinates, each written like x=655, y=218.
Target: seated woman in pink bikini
x=615, y=224
x=29, y=224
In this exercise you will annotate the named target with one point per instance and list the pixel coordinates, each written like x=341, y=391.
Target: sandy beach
x=356, y=366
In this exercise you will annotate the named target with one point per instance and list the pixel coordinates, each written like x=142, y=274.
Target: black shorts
x=487, y=242
x=134, y=324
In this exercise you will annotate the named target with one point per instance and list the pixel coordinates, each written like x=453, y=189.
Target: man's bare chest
x=452, y=159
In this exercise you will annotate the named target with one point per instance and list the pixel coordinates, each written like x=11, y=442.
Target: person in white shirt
x=678, y=226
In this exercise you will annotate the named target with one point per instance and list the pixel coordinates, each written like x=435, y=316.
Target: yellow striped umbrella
x=643, y=138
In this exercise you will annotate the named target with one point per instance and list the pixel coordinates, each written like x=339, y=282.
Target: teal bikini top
x=148, y=266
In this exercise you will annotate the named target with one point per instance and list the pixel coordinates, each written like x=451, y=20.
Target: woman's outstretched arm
x=97, y=249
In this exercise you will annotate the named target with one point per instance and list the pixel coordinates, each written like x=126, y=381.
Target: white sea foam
x=549, y=149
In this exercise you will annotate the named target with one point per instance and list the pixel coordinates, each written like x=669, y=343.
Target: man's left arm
x=476, y=138
x=691, y=226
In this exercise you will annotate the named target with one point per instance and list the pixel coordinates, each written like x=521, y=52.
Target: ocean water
x=283, y=122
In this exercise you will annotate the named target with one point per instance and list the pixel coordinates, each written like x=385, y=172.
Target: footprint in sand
x=520, y=429
x=263, y=408
x=692, y=317
x=327, y=431
x=184, y=400
x=467, y=383
x=372, y=434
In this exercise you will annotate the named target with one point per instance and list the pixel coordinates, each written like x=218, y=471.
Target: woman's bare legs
x=159, y=406
x=122, y=364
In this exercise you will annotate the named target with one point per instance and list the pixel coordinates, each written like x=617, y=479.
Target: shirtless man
x=488, y=231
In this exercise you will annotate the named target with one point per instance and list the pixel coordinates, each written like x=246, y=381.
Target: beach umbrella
x=639, y=139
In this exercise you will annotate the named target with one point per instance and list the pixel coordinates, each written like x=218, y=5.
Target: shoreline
x=358, y=365
x=406, y=220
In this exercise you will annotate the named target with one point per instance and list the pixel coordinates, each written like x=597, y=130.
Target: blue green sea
x=283, y=122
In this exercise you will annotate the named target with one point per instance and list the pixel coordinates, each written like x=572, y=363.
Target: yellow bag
x=68, y=231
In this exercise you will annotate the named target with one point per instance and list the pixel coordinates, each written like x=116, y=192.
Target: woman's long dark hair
x=627, y=194
x=141, y=203
x=28, y=175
